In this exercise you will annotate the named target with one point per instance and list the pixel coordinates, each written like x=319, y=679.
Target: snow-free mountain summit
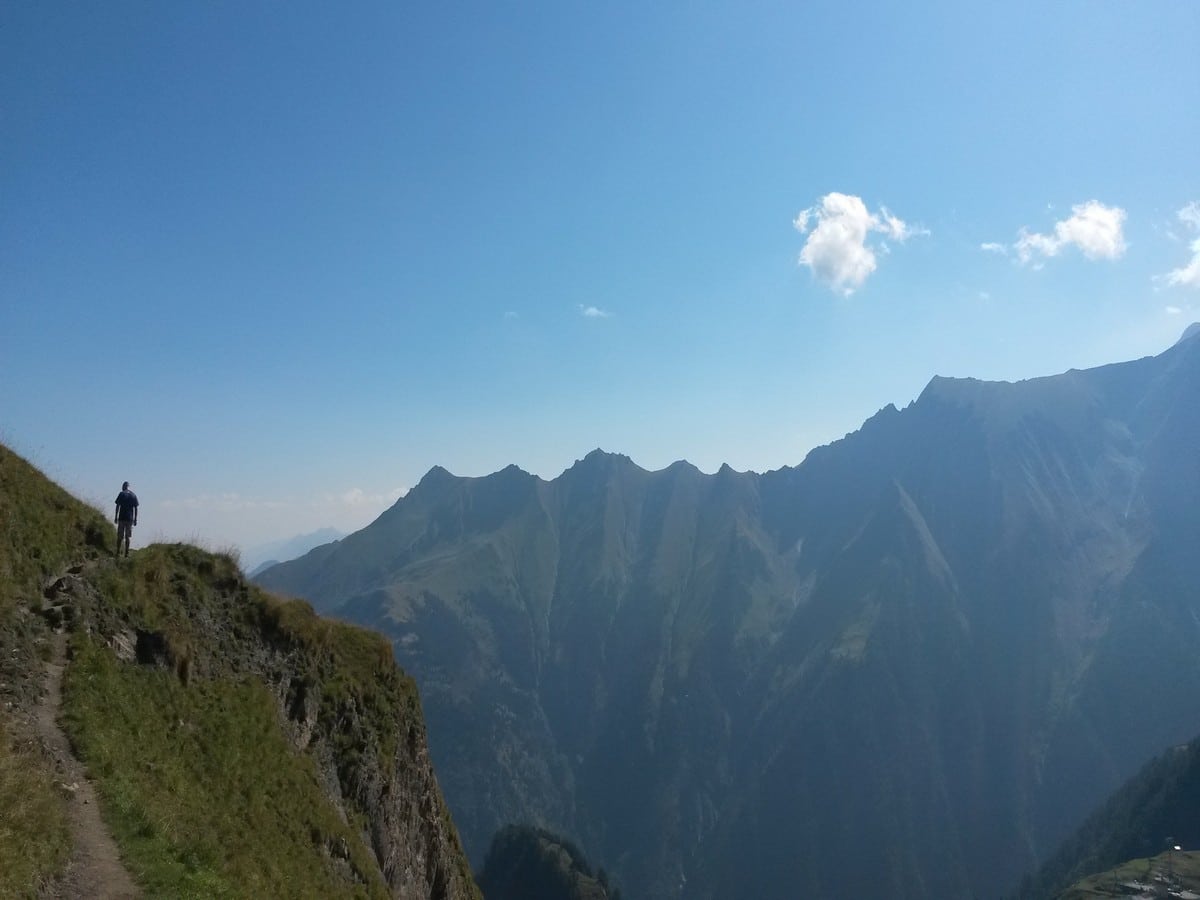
x=906, y=667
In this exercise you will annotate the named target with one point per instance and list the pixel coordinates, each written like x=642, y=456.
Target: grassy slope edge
x=203, y=790
x=1137, y=877
x=1125, y=838
x=241, y=745
x=42, y=529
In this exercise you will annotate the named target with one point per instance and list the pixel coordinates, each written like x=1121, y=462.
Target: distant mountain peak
x=261, y=557
x=946, y=388
x=599, y=459
x=882, y=415
x=436, y=477
x=1190, y=332
x=664, y=647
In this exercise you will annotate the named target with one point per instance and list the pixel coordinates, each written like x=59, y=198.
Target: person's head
x=125, y=486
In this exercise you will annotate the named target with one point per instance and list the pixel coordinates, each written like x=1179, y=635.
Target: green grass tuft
x=179, y=590
x=1179, y=869
x=34, y=833
x=202, y=791
x=42, y=530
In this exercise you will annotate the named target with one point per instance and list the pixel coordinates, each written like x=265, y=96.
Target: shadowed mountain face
x=1157, y=809
x=905, y=668
x=262, y=557
x=526, y=863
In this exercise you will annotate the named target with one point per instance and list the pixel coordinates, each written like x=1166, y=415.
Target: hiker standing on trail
x=126, y=518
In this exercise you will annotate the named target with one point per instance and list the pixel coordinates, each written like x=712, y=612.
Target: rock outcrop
x=339, y=695
x=166, y=650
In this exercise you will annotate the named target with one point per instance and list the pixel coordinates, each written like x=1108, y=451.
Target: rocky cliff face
x=241, y=745
x=907, y=667
x=339, y=696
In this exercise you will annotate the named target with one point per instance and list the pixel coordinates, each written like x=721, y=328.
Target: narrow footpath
x=95, y=871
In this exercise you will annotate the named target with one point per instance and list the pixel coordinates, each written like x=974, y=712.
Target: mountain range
x=907, y=667
x=262, y=556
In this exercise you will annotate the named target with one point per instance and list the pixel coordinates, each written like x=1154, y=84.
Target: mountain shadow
x=1157, y=809
x=528, y=863
x=907, y=667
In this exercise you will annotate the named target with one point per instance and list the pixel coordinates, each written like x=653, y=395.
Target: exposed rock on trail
x=95, y=869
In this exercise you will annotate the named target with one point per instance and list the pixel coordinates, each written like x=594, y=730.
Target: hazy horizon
x=356, y=511
x=271, y=268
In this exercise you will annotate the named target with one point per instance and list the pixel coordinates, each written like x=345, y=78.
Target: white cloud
x=1094, y=228
x=898, y=229
x=234, y=502
x=232, y=519
x=358, y=497
x=1028, y=245
x=227, y=502
x=1173, y=310
x=593, y=312
x=511, y=314
x=993, y=247
x=1189, y=275
x=1190, y=215
x=836, y=249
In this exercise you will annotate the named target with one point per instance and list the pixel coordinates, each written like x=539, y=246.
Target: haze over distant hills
x=907, y=667
x=254, y=559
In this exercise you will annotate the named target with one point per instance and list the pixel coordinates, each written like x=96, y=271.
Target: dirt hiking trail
x=95, y=871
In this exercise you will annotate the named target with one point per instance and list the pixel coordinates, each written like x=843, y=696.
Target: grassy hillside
x=208, y=798
x=42, y=528
x=34, y=839
x=1139, y=877
x=1127, y=835
x=241, y=746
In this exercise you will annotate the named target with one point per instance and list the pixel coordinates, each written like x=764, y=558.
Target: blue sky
x=271, y=262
